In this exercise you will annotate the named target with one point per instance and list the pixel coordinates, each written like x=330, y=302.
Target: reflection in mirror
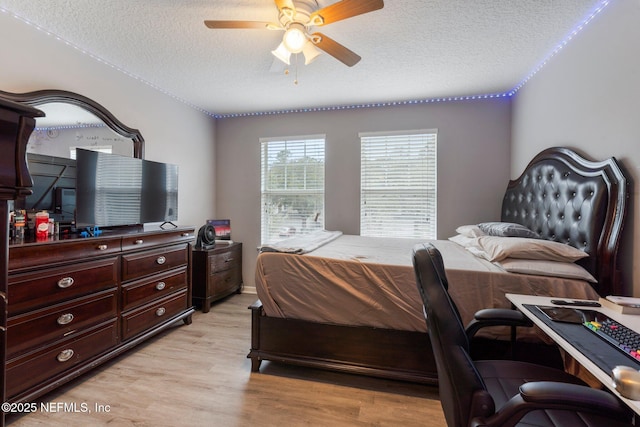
x=82, y=114
x=72, y=121
x=66, y=127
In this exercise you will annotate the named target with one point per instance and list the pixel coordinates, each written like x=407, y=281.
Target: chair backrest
x=463, y=394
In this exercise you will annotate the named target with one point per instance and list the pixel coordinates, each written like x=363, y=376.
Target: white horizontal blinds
x=398, y=189
x=292, y=187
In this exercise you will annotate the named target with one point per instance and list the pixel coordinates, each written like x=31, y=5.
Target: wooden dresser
x=76, y=303
x=217, y=273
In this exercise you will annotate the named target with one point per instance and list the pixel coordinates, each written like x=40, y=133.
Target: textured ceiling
x=410, y=49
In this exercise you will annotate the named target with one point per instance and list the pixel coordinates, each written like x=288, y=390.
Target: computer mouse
x=626, y=381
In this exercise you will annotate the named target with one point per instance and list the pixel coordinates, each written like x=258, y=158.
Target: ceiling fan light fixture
x=282, y=53
x=310, y=52
x=294, y=38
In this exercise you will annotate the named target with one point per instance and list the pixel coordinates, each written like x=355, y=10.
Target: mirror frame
x=40, y=97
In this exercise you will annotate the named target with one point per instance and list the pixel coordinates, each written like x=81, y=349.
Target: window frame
x=266, y=231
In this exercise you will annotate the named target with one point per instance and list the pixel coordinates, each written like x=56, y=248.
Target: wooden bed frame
x=561, y=195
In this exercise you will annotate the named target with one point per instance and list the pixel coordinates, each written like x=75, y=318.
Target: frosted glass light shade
x=311, y=52
x=282, y=54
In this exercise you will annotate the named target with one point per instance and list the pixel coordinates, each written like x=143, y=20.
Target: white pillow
x=567, y=270
x=470, y=231
x=498, y=248
x=464, y=241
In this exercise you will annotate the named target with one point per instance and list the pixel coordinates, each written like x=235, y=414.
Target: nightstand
x=217, y=273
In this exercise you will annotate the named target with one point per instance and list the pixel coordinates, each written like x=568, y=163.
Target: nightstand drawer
x=226, y=260
x=225, y=282
x=33, y=368
x=144, y=318
x=38, y=289
x=40, y=327
x=150, y=288
x=140, y=264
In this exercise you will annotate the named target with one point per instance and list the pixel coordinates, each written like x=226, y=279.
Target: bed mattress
x=367, y=281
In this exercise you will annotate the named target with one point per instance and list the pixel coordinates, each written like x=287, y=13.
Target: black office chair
x=500, y=392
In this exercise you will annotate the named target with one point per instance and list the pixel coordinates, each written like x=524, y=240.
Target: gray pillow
x=507, y=229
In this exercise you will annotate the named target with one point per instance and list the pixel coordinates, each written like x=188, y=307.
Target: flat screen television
x=114, y=190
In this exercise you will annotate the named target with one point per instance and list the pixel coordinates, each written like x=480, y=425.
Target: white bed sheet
x=366, y=281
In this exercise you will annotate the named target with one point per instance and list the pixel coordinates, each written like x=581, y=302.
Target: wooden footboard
x=385, y=353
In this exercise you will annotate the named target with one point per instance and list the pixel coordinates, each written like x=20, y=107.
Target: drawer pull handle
x=138, y=242
x=65, y=355
x=65, y=282
x=185, y=234
x=160, y=311
x=65, y=319
x=228, y=260
x=161, y=260
x=160, y=286
x=102, y=247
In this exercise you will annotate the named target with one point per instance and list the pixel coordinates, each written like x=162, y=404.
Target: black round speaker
x=206, y=237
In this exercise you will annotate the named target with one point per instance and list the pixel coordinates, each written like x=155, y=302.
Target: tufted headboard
x=567, y=198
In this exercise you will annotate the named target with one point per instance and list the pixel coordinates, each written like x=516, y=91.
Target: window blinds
x=398, y=184
x=292, y=186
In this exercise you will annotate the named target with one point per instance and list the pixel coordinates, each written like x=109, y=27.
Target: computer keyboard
x=617, y=335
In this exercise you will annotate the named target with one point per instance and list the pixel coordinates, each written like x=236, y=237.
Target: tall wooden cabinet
x=76, y=303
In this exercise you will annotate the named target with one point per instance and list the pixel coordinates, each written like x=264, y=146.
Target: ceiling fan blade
x=335, y=49
x=344, y=9
x=241, y=24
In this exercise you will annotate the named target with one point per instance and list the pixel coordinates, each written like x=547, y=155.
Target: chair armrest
x=559, y=396
x=496, y=317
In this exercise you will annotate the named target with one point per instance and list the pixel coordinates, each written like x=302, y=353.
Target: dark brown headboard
x=567, y=198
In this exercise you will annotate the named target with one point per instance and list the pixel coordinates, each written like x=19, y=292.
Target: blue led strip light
x=63, y=127
x=102, y=61
x=507, y=94
x=561, y=45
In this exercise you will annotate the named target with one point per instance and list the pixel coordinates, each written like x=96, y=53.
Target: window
x=398, y=184
x=292, y=186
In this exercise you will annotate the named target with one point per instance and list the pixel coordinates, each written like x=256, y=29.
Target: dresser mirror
x=74, y=121
x=71, y=121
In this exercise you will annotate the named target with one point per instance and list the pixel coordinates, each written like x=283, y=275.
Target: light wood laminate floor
x=199, y=375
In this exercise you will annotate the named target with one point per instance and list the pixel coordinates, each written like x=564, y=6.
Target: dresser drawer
x=148, y=240
x=226, y=260
x=140, y=264
x=34, y=368
x=42, y=254
x=225, y=282
x=43, y=326
x=42, y=288
x=145, y=317
x=153, y=287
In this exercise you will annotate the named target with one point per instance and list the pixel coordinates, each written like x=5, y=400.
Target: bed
x=352, y=304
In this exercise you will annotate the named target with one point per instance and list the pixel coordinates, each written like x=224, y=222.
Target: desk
x=599, y=348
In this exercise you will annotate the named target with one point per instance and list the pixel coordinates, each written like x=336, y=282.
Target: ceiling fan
x=297, y=17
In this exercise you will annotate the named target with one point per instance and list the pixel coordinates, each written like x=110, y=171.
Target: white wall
x=173, y=132
x=588, y=97
x=473, y=156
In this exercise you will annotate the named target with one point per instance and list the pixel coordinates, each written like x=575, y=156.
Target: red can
x=42, y=225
